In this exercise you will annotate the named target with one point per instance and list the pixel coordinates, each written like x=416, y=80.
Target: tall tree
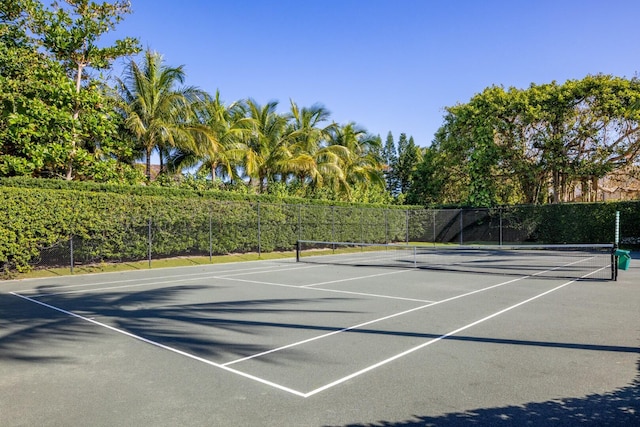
x=219, y=145
x=158, y=111
x=409, y=155
x=363, y=164
x=313, y=162
x=70, y=33
x=548, y=141
x=266, y=154
x=390, y=159
x=41, y=120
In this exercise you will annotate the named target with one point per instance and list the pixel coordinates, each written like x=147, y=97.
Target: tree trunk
x=148, y=167
x=594, y=188
x=76, y=114
x=556, y=186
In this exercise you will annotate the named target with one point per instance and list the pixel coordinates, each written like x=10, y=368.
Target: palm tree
x=363, y=164
x=219, y=147
x=312, y=159
x=157, y=112
x=265, y=151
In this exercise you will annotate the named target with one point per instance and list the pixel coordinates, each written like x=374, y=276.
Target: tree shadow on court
x=620, y=407
x=29, y=328
x=24, y=325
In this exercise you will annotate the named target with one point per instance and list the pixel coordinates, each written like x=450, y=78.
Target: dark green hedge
x=39, y=225
x=143, y=190
x=110, y=226
x=545, y=224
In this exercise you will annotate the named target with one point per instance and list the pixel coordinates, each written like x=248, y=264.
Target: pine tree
x=390, y=159
x=409, y=155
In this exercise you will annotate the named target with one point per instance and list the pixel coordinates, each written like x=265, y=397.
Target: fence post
x=434, y=226
x=386, y=228
x=149, y=250
x=333, y=223
x=361, y=225
x=406, y=226
x=299, y=222
x=461, y=228
x=259, y=233
x=210, y=236
x=71, y=252
x=500, y=213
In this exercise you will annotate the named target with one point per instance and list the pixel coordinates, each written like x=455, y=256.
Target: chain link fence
x=217, y=228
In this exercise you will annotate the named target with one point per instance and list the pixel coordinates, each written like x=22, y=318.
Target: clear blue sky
x=388, y=65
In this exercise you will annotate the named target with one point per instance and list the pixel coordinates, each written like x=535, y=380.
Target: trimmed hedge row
x=119, y=226
x=544, y=224
x=105, y=226
x=141, y=190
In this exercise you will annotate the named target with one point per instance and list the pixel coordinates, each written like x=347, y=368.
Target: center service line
x=349, y=328
x=411, y=350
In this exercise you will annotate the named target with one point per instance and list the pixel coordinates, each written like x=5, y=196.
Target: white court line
x=355, y=278
x=230, y=278
x=431, y=304
x=288, y=389
x=341, y=380
x=143, y=279
x=165, y=347
x=172, y=279
x=423, y=345
x=365, y=294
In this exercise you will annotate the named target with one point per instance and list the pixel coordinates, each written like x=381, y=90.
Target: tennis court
x=318, y=344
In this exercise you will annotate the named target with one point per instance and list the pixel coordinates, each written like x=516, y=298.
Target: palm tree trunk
x=148, y=167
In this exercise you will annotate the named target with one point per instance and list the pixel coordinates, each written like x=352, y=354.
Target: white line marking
x=341, y=380
x=172, y=279
x=258, y=282
x=399, y=314
x=144, y=279
x=411, y=350
x=165, y=347
x=270, y=271
x=371, y=321
x=327, y=334
x=354, y=278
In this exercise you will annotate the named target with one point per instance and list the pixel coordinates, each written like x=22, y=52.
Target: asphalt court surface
x=285, y=343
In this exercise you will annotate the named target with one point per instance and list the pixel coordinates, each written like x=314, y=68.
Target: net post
x=617, y=231
x=616, y=242
x=297, y=250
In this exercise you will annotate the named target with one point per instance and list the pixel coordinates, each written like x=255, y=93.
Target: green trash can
x=624, y=259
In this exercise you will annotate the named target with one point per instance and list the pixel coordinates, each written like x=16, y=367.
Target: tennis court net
x=585, y=261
